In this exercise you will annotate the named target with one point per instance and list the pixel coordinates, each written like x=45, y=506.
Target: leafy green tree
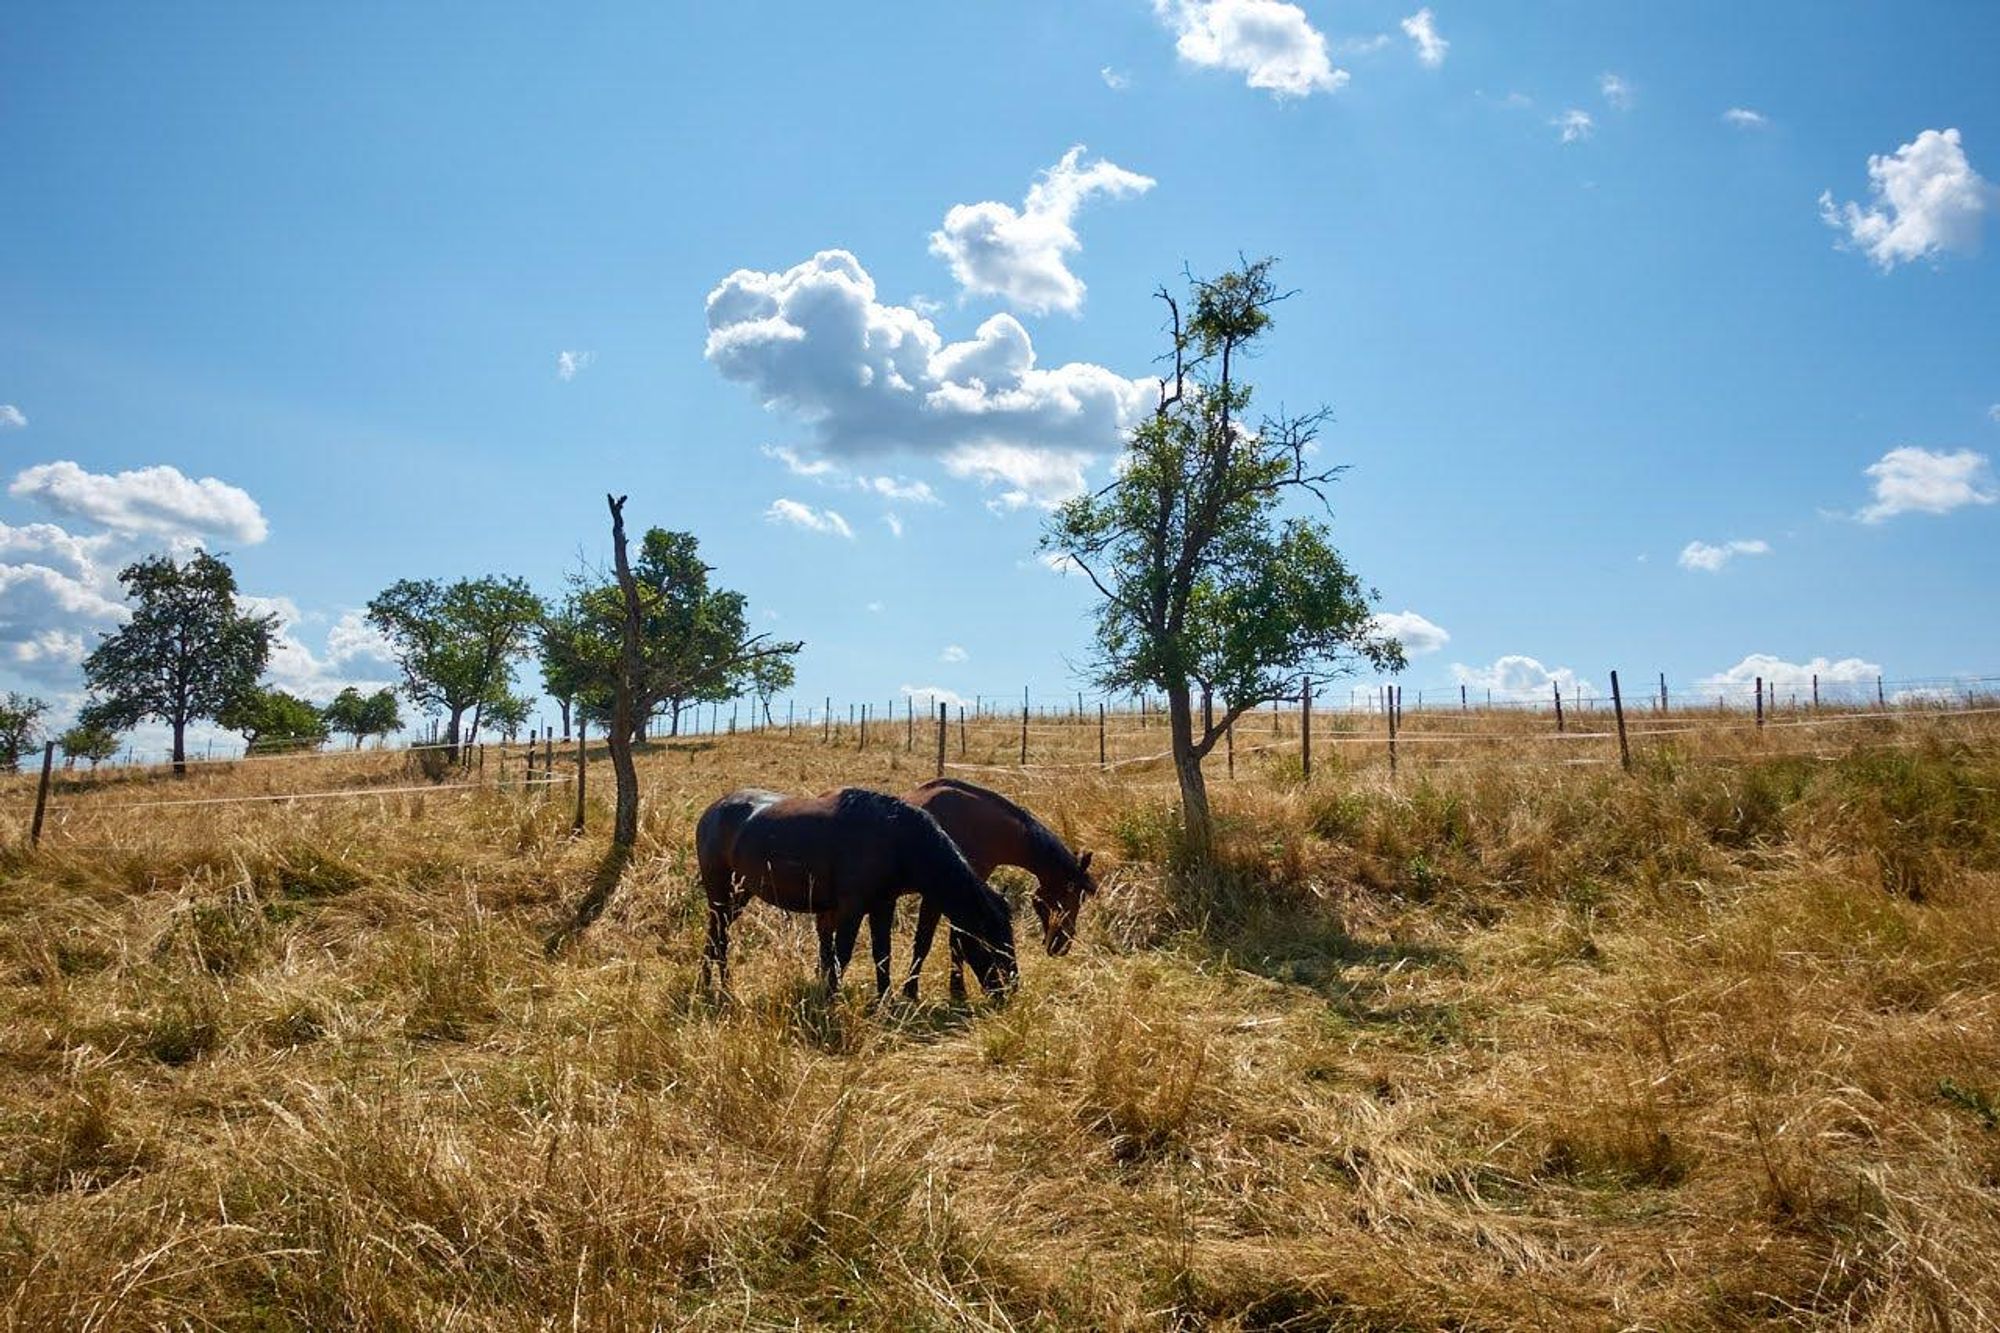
x=86, y=740
x=187, y=653
x=456, y=642
x=507, y=713
x=1207, y=584
x=20, y=727
x=274, y=722
x=359, y=715
x=769, y=677
x=694, y=639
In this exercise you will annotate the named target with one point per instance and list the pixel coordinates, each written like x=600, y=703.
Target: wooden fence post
x=826, y=735
x=864, y=727
x=942, y=724
x=1618, y=707
x=1559, y=705
x=582, y=768
x=1389, y=716
x=910, y=724
x=42, y=793
x=549, y=753
x=1461, y=698
x=1306, y=727
x=961, y=731
x=1815, y=691
x=1880, y=702
x=1663, y=691
x=1024, y=728
x=1228, y=743
x=1760, y=701
x=1100, y=735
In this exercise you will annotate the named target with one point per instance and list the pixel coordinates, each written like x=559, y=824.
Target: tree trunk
x=675, y=730
x=1195, y=821
x=180, y=747
x=451, y=735
x=564, y=705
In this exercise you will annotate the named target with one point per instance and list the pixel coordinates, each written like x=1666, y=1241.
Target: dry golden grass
x=1502, y=1045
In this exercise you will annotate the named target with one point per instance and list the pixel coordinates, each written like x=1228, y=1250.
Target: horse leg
x=844, y=933
x=829, y=969
x=881, y=921
x=723, y=905
x=920, y=946
x=957, y=953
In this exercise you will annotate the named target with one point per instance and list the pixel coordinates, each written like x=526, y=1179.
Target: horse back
x=985, y=828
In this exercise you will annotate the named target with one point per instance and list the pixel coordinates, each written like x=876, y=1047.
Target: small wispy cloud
x=1115, y=80
x=1743, y=118
x=794, y=514
x=797, y=466
x=568, y=364
x=1616, y=90
x=953, y=653
x=1710, y=557
x=11, y=417
x=894, y=523
x=1421, y=29
x=1574, y=125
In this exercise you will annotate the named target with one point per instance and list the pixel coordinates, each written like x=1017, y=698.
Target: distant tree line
x=194, y=652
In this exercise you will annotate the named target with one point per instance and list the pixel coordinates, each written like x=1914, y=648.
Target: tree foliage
x=94, y=742
x=1209, y=585
x=769, y=677
x=456, y=641
x=359, y=715
x=20, y=727
x=188, y=651
x=274, y=722
x=694, y=639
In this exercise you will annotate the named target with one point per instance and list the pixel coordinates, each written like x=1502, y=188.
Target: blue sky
x=307, y=276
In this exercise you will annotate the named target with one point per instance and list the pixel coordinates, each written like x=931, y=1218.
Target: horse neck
x=942, y=874
x=1043, y=855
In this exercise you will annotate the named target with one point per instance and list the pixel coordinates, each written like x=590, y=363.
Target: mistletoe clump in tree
x=1211, y=588
x=188, y=652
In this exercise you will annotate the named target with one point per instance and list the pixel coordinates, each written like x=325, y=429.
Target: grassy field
x=1511, y=1042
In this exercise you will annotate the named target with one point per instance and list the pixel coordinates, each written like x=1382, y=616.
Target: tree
x=359, y=715
x=694, y=639
x=274, y=722
x=1206, y=583
x=87, y=740
x=655, y=632
x=768, y=676
x=455, y=642
x=187, y=652
x=507, y=713
x=20, y=727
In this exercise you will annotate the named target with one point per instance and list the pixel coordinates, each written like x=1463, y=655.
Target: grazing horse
x=843, y=856
x=993, y=831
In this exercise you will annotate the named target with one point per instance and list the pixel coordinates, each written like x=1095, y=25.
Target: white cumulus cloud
x=871, y=378
x=1743, y=118
x=1041, y=478
x=1022, y=255
x=1710, y=557
x=1794, y=677
x=1573, y=125
x=1417, y=635
x=1271, y=43
x=1910, y=480
x=1925, y=200
x=11, y=417
x=953, y=653
x=156, y=501
x=930, y=696
x=1421, y=28
x=1515, y=676
x=798, y=515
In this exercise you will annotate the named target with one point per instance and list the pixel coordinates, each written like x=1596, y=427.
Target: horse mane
x=932, y=855
x=1040, y=835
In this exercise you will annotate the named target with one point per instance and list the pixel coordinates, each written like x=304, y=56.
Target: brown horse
x=991, y=831
x=843, y=856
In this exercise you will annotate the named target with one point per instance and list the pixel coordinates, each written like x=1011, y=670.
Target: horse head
x=989, y=950
x=1058, y=901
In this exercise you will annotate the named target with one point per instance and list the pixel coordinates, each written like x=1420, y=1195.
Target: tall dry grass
x=1506, y=1043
